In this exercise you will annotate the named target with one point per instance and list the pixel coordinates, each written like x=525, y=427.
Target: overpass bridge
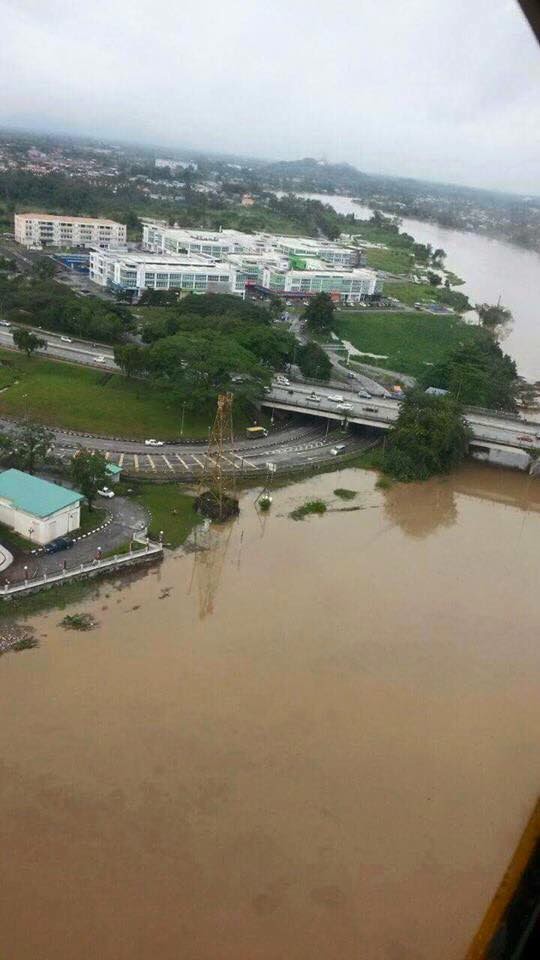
x=502, y=438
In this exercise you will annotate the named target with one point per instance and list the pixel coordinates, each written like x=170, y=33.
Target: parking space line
x=152, y=464
x=166, y=461
x=136, y=460
x=196, y=459
x=183, y=462
x=121, y=460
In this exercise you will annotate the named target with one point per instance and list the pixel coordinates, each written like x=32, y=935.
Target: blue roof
x=35, y=496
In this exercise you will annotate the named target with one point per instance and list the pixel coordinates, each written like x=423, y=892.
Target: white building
x=160, y=238
x=137, y=270
x=351, y=284
x=48, y=229
x=173, y=165
x=40, y=511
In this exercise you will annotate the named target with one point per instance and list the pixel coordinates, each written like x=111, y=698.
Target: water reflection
x=420, y=509
x=212, y=544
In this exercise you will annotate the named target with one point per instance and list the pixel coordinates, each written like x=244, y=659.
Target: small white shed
x=37, y=509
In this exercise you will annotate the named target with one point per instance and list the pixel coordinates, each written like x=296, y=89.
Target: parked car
x=106, y=492
x=66, y=340
x=345, y=406
x=153, y=443
x=337, y=449
x=370, y=409
x=100, y=358
x=282, y=380
x=336, y=398
x=364, y=394
x=5, y=323
x=61, y=543
x=524, y=438
x=314, y=397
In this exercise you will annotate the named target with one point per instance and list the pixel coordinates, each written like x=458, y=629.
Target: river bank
x=281, y=746
x=490, y=268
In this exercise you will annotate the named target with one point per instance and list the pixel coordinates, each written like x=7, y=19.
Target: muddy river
x=316, y=739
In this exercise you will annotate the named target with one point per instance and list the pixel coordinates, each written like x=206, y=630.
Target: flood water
x=318, y=738
x=491, y=269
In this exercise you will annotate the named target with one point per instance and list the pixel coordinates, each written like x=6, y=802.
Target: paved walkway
x=129, y=518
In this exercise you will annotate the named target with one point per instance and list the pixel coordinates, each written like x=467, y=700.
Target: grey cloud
x=419, y=89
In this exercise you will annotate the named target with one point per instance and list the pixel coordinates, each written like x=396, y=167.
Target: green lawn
x=90, y=519
x=79, y=398
x=410, y=340
x=395, y=260
x=172, y=511
x=410, y=293
x=14, y=542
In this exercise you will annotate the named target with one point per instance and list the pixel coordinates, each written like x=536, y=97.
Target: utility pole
x=217, y=497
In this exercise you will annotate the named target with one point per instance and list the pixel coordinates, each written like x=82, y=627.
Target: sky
x=447, y=92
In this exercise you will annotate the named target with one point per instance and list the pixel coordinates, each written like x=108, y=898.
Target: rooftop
x=33, y=495
x=66, y=218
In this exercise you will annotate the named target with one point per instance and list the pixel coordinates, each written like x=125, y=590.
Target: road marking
x=152, y=464
x=196, y=459
x=230, y=462
x=166, y=461
x=121, y=460
x=183, y=462
x=248, y=463
x=136, y=461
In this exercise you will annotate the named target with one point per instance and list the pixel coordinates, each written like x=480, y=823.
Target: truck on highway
x=253, y=433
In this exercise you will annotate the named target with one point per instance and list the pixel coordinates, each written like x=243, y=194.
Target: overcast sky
x=410, y=87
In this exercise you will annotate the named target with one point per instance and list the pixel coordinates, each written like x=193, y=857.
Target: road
x=78, y=351
x=381, y=412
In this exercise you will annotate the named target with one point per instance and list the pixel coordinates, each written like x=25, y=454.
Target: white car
x=345, y=406
x=100, y=359
x=153, y=443
x=66, y=340
x=337, y=449
x=283, y=381
x=106, y=492
x=4, y=323
x=336, y=398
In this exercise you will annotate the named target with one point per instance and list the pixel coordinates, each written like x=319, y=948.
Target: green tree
x=313, y=361
x=89, y=473
x=478, y=374
x=130, y=358
x=319, y=313
x=27, y=341
x=30, y=446
x=430, y=437
x=434, y=278
x=43, y=268
x=496, y=319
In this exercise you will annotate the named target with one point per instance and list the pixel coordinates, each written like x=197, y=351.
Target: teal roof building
x=33, y=495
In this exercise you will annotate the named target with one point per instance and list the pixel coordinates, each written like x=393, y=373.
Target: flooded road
x=319, y=738
x=490, y=268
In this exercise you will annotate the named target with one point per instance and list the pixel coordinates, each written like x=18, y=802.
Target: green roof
x=113, y=469
x=35, y=496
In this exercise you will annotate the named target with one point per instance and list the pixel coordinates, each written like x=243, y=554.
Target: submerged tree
x=430, y=437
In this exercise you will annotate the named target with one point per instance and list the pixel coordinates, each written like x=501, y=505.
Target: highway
x=78, y=351
x=381, y=412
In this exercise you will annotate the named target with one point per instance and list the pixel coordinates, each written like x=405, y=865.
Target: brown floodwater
x=318, y=739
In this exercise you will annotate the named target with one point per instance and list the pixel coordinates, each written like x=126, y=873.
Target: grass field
x=394, y=260
x=172, y=511
x=410, y=340
x=92, y=401
x=410, y=293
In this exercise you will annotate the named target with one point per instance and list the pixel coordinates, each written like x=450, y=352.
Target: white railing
x=109, y=563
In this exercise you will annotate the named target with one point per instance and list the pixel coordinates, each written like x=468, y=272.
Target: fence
x=150, y=551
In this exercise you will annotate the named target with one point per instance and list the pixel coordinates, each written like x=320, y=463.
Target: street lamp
x=183, y=415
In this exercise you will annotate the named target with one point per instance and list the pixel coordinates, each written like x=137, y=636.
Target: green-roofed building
x=37, y=509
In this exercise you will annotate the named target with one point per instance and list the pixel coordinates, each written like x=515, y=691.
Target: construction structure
x=216, y=499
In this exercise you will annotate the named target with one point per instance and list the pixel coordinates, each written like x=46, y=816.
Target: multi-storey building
x=126, y=270
x=54, y=230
